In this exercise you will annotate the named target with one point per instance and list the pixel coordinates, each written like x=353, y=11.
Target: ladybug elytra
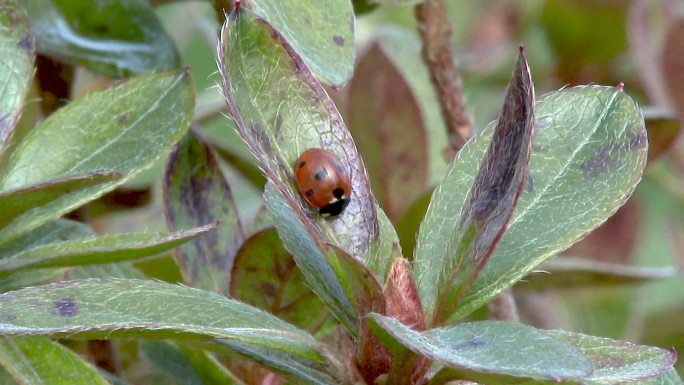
x=323, y=181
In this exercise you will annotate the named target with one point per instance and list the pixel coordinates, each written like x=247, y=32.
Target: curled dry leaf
x=281, y=110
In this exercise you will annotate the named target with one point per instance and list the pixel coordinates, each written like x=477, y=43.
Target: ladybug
x=323, y=181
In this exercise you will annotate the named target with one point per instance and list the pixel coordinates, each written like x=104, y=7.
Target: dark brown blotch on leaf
x=66, y=307
x=339, y=40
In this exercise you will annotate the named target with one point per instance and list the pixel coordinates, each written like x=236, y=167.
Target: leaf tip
x=521, y=48
x=620, y=87
x=185, y=72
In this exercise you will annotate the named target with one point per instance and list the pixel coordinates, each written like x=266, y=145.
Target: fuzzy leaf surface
x=121, y=130
x=617, y=361
x=281, y=110
x=111, y=37
x=17, y=202
x=38, y=361
x=97, y=250
x=18, y=51
x=197, y=193
x=488, y=205
x=588, y=154
x=322, y=33
x=104, y=308
x=310, y=259
x=492, y=351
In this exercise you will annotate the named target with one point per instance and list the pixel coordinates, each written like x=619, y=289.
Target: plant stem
x=504, y=308
x=435, y=31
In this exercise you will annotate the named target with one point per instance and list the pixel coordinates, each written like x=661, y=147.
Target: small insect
x=323, y=181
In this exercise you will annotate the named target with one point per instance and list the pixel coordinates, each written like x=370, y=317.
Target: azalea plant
x=293, y=296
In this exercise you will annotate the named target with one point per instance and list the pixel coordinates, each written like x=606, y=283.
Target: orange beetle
x=323, y=181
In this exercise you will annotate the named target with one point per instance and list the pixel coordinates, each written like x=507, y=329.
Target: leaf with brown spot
x=491, y=200
x=573, y=127
x=196, y=193
x=386, y=122
x=281, y=110
x=18, y=52
x=265, y=275
x=133, y=308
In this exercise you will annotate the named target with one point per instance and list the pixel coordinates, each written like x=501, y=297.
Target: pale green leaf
x=17, y=202
x=114, y=308
x=491, y=351
x=310, y=259
x=588, y=153
x=617, y=361
x=113, y=37
x=281, y=110
x=39, y=361
x=97, y=250
x=322, y=33
x=16, y=68
x=121, y=130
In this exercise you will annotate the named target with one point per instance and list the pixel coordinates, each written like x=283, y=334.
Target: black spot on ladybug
x=334, y=209
x=66, y=307
x=301, y=164
x=338, y=193
x=321, y=174
x=309, y=193
x=339, y=40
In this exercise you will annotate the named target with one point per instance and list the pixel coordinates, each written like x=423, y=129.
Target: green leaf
x=115, y=308
x=668, y=378
x=444, y=276
x=386, y=121
x=97, y=250
x=310, y=259
x=617, y=361
x=121, y=130
x=17, y=47
x=398, y=2
x=409, y=223
x=281, y=110
x=265, y=275
x=569, y=272
x=322, y=33
x=196, y=193
x=490, y=351
x=170, y=361
x=17, y=202
x=38, y=361
x=55, y=231
x=208, y=368
x=112, y=37
x=588, y=154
